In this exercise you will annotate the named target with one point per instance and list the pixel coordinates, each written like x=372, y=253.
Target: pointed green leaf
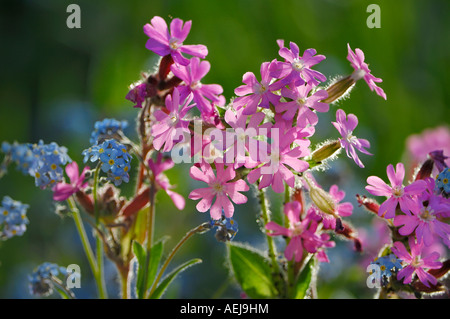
x=153, y=263
x=141, y=256
x=252, y=271
x=303, y=280
x=159, y=291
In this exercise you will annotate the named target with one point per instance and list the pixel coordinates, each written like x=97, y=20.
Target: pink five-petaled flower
x=396, y=193
x=303, y=103
x=275, y=169
x=242, y=137
x=158, y=167
x=260, y=93
x=345, y=126
x=219, y=187
x=63, y=191
x=362, y=71
x=296, y=70
x=424, y=221
x=169, y=128
x=203, y=93
x=302, y=234
x=164, y=43
x=416, y=263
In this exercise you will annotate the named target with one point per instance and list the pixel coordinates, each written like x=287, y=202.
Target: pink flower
x=163, y=43
x=303, y=104
x=396, y=193
x=302, y=233
x=345, y=126
x=169, y=127
x=158, y=167
x=281, y=156
x=416, y=263
x=424, y=221
x=296, y=69
x=362, y=71
x=63, y=191
x=420, y=145
x=241, y=138
x=203, y=94
x=219, y=187
x=260, y=94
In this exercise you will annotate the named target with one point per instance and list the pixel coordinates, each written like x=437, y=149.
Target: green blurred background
x=56, y=82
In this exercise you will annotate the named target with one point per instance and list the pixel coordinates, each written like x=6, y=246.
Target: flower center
x=350, y=138
x=217, y=188
x=358, y=74
x=301, y=101
x=397, y=191
x=259, y=88
x=427, y=214
x=298, y=229
x=195, y=85
x=174, y=43
x=298, y=65
x=417, y=262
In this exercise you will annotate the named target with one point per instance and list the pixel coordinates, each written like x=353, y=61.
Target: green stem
x=99, y=244
x=84, y=240
x=188, y=235
x=62, y=290
x=150, y=231
x=270, y=241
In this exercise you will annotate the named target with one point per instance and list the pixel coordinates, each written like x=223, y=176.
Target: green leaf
x=153, y=263
x=303, y=280
x=159, y=291
x=141, y=256
x=252, y=271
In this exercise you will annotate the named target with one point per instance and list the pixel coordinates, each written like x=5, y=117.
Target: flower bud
x=425, y=170
x=339, y=89
x=321, y=199
x=326, y=151
x=370, y=204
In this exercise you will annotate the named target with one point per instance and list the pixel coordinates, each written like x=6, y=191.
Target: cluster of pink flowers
x=418, y=212
x=261, y=138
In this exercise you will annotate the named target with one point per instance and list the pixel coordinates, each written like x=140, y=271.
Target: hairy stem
x=270, y=241
x=99, y=244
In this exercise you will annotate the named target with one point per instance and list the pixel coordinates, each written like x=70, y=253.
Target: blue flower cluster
x=13, y=218
x=227, y=228
x=42, y=161
x=387, y=264
x=443, y=182
x=21, y=154
x=106, y=129
x=115, y=160
x=41, y=280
